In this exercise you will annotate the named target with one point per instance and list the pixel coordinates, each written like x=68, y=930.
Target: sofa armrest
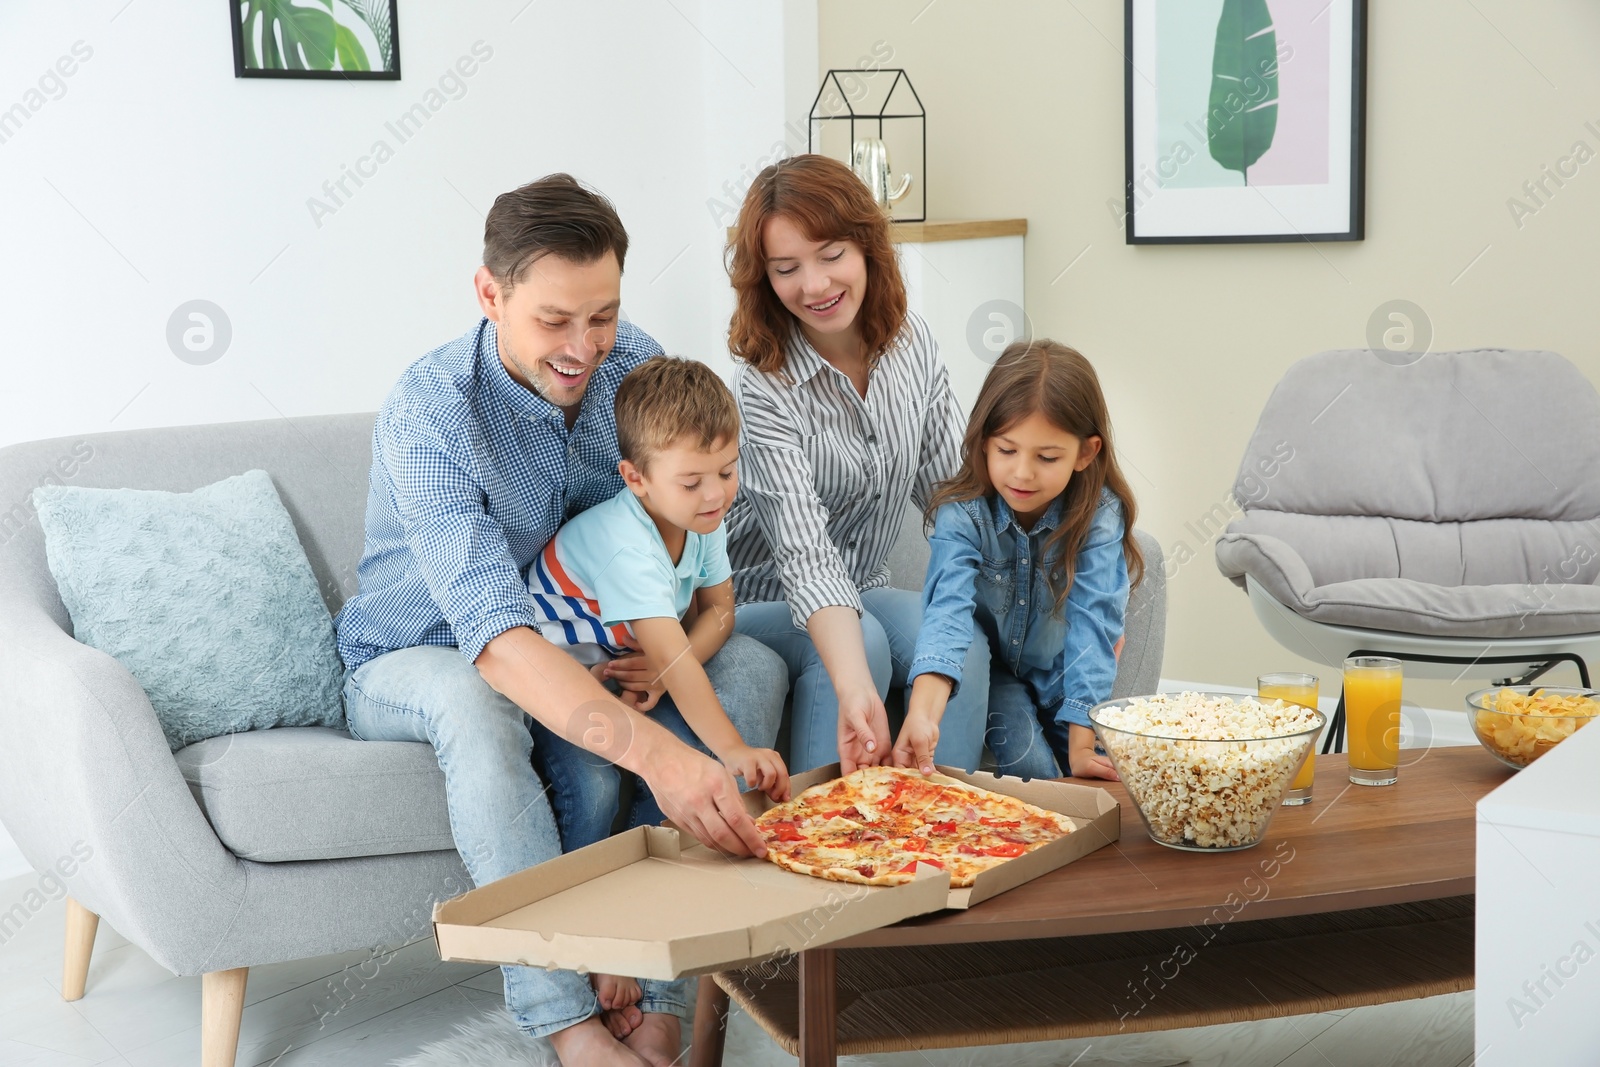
x=1145, y=627
x=88, y=784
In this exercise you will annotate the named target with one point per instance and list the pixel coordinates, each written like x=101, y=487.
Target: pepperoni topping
x=1007, y=850
x=866, y=870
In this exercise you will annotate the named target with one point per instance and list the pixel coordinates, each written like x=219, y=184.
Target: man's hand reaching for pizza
x=699, y=794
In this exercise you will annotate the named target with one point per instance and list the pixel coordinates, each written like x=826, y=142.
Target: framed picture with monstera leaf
x=1245, y=120
x=352, y=40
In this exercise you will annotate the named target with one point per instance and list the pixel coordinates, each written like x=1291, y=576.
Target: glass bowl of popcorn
x=1206, y=770
x=1520, y=723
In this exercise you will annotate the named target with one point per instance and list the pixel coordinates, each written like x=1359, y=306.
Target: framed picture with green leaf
x=1245, y=120
x=352, y=40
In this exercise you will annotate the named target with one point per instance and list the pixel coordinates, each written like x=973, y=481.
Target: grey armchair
x=238, y=851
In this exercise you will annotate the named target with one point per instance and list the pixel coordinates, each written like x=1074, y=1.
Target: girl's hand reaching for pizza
x=761, y=768
x=863, y=730
x=919, y=736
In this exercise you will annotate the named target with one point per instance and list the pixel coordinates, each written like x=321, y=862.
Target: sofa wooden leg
x=81, y=926
x=221, y=1008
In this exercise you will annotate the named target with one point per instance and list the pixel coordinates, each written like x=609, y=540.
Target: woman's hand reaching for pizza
x=863, y=730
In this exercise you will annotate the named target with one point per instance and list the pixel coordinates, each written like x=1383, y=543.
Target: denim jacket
x=984, y=567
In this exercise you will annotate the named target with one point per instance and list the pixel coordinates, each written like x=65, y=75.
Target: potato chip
x=1521, y=727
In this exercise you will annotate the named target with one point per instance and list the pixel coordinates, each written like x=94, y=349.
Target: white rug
x=493, y=1040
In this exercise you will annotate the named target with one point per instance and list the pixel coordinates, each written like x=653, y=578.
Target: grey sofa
x=258, y=847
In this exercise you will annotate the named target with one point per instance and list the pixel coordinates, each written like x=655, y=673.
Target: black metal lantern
x=874, y=122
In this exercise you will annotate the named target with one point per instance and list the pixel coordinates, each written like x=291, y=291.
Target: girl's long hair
x=1050, y=379
x=826, y=202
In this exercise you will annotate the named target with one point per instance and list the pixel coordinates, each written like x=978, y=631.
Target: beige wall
x=1466, y=102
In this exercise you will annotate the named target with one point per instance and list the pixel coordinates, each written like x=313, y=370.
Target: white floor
x=323, y=1012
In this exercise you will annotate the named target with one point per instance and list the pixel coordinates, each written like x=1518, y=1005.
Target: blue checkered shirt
x=472, y=474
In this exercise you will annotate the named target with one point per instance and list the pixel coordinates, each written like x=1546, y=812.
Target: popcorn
x=1206, y=771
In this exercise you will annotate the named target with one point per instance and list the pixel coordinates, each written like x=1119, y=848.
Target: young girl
x=1032, y=547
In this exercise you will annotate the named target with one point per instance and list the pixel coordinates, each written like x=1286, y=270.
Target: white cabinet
x=965, y=279
x=1538, y=913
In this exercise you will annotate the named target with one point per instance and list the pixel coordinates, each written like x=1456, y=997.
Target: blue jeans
x=500, y=814
x=889, y=627
x=584, y=788
x=1023, y=745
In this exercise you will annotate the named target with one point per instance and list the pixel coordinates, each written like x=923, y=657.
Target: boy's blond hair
x=665, y=400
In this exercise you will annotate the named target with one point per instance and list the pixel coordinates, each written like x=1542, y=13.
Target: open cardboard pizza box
x=652, y=903
x=1094, y=812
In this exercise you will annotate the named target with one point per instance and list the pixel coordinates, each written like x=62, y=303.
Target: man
x=482, y=450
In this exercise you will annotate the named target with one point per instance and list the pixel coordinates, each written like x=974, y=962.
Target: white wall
x=151, y=176
x=157, y=178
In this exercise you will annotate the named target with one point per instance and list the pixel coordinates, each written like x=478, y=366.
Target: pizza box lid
x=653, y=904
x=1095, y=813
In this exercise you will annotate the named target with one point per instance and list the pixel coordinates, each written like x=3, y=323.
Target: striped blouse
x=825, y=475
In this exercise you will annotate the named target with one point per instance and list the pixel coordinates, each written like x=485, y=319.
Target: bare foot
x=614, y=990
x=588, y=1044
x=622, y=1021
x=656, y=1039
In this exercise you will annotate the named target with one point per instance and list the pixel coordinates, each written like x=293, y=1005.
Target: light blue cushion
x=205, y=597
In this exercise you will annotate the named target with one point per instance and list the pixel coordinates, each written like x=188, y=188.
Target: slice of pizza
x=874, y=826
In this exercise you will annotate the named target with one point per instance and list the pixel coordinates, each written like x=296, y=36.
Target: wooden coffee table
x=1361, y=897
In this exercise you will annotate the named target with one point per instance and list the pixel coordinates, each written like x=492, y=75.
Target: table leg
x=818, y=1007
x=710, y=1024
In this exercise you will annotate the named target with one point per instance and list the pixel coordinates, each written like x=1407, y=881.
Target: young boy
x=639, y=587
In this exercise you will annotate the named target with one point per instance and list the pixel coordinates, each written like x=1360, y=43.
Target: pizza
x=874, y=826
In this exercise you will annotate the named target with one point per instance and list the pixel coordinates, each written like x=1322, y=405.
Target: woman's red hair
x=826, y=202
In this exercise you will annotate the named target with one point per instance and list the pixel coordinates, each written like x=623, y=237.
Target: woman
x=848, y=418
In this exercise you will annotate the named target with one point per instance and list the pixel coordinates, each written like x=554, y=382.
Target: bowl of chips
x=1520, y=723
x=1205, y=770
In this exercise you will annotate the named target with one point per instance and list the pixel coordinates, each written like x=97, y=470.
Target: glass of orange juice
x=1372, y=719
x=1294, y=689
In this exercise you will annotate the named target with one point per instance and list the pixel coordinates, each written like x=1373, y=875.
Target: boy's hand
x=919, y=736
x=1083, y=761
x=631, y=671
x=761, y=768
x=641, y=684
x=642, y=699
